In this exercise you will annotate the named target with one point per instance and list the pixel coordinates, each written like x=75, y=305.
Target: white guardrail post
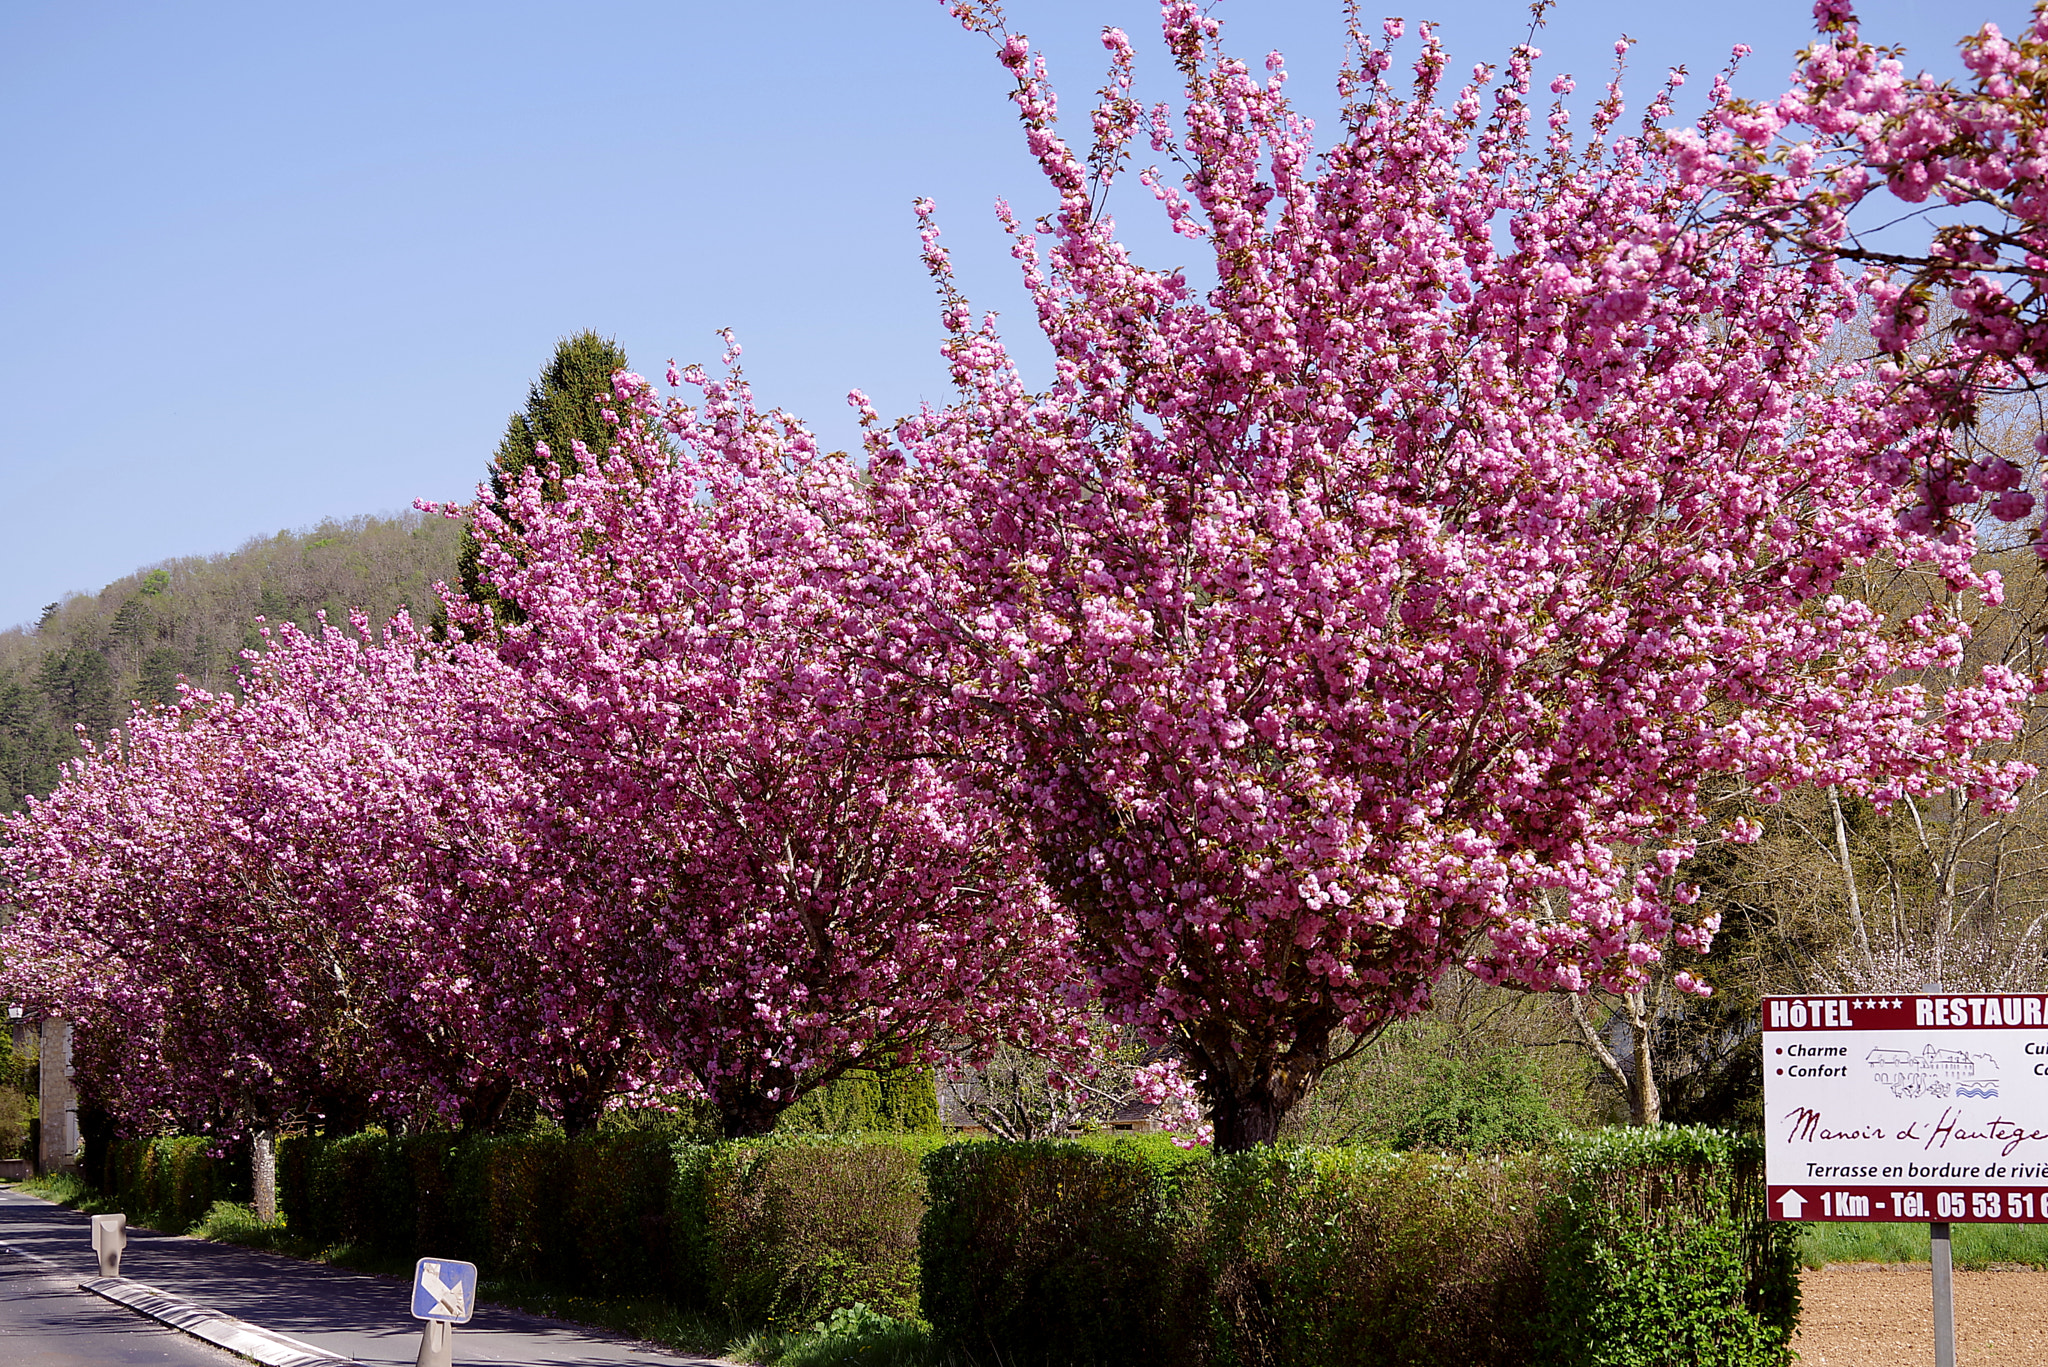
x=109, y=1238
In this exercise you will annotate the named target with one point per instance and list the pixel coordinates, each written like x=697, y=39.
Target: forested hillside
x=90, y=656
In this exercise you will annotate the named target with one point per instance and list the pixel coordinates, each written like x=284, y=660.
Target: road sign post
x=1923, y=1108
x=1944, y=1294
x=444, y=1295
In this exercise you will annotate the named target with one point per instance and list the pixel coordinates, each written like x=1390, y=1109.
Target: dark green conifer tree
x=78, y=684
x=564, y=406
x=32, y=745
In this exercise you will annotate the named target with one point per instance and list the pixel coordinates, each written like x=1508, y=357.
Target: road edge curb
x=222, y=1331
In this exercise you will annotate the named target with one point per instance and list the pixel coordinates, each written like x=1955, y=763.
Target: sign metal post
x=1941, y=1257
x=444, y=1295
x=1944, y=1296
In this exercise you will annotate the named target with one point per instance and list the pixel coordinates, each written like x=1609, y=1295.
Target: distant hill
x=91, y=656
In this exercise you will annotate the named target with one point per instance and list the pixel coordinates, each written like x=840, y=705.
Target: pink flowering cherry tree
x=1861, y=130
x=1392, y=593
x=780, y=877
x=288, y=904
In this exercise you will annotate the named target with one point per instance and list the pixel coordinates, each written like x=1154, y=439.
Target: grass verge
x=1974, y=1246
x=68, y=1189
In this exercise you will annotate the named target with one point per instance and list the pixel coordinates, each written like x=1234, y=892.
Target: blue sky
x=268, y=263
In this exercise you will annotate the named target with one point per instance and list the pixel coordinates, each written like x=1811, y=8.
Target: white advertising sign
x=1918, y=1108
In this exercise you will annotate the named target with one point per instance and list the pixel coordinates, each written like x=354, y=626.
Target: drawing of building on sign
x=1934, y=1072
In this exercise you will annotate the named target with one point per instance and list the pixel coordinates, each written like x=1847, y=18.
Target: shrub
x=15, y=1112
x=171, y=1183
x=1055, y=1252
x=524, y=1185
x=1628, y=1249
x=1355, y=1256
x=360, y=1192
x=620, y=1216
x=1622, y=1251
x=1662, y=1254
x=795, y=1228
x=778, y=1231
x=17, y=1107
x=230, y=1222
x=1489, y=1104
x=895, y=1101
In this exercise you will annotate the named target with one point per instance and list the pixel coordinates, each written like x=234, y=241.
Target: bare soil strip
x=1881, y=1315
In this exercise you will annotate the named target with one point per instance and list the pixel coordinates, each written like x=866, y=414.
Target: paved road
x=350, y=1313
x=46, y=1321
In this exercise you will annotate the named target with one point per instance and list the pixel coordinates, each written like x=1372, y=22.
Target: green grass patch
x=855, y=1336
x=230, y=1222
x=1973, y=1246
x=69, y=1190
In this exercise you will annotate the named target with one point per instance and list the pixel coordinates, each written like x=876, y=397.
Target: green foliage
x=32, y=745
x=171, y=1183
x=1489, y=1104
x=774, y=1232
x=14, y=1067
x=798, y=1227
x=69, y=1189
x=620, y=1215
x=233, y=1222
x=16, y=1110
x=1356, y=1256
x=79, y=685
x=564, y=406
x=856, y=1336
x=894, y=1101
x=1664, y=1255
x=1625, y=1249
x=1485, y=1070
x=91, y=655
x=1635, y=1249
x=1055, y=1252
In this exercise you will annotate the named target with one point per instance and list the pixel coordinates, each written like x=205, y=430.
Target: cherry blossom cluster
x=1386, y=596
x=1858, y=127
x=782, y=871
x=1384, y=601
x=286, y=905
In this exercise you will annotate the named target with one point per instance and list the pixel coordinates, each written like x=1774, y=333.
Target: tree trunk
x=1645, y=1102
x=263, y=1174
x=1859, y=935
x=1245, y=1122
x=580, y=1115
x=1251, y=1085
x=747, y=1116
x=486, y=1103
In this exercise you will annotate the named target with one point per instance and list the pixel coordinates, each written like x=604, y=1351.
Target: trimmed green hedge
x=892, y=1101
x=1057, y=1252
x=170, y=1184
x=794, y=1228
x=777, y=1231
x=1625, y=1249
x=1343, y=1256
x=1661, y=1252
x=1631, y=1250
